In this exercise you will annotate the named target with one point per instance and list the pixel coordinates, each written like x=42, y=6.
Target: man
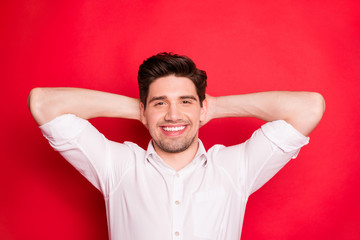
x=175, y=189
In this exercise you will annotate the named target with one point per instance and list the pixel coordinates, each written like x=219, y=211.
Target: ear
x=203, y=111
x=142, y=114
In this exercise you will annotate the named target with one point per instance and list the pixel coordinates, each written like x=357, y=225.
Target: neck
x=178, y=160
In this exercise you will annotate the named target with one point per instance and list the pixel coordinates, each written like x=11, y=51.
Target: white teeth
x=173, y=129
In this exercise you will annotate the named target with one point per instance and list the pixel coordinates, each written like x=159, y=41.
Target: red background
x=245, y=46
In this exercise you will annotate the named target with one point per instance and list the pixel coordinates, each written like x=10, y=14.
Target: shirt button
x=177, y=175
x=177, y=202
x=177, y=233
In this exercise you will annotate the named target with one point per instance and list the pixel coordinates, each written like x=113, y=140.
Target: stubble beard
x=174, y=146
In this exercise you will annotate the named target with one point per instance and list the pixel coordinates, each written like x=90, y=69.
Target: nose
x=173, y=113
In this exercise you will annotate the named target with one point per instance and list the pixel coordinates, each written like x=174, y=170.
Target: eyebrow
x=164, y=97
x=189, y=97
x=157, y=98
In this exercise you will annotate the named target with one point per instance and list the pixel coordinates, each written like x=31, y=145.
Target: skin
x=173, y=104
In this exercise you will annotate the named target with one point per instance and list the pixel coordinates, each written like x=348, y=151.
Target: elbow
x=314, y=112
x=35, y=104
x=33, y=99
x=317, y=106
x=309, y=111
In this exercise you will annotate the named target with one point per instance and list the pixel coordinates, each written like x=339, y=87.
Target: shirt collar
x=200, y=155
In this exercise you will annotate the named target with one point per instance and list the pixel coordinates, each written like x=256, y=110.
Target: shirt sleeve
x=256, y=161
x=98, y=159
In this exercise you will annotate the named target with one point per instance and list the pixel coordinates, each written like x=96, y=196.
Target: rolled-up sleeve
x=61, y=130
x=268, y=150
x=98, y=159
x=252, y=163
x=285, y=136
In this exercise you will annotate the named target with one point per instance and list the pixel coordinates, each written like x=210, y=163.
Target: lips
x=173, y=130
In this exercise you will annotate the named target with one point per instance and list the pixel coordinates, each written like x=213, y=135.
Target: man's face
x=173, y=114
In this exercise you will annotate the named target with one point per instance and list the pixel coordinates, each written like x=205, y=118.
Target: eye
x=186, y=102
x=159, y=104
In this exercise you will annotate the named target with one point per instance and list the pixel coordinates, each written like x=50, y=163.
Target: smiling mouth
x=173, y=129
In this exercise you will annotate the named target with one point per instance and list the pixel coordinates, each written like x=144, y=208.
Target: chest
x=194, y=203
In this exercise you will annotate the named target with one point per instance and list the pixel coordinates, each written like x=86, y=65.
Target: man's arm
x=303, y=110
x=46, y=104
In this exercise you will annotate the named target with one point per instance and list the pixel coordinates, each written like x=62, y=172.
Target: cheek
x=152, y=119
x=194, y=116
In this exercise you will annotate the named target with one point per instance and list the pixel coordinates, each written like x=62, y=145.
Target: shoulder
x=225, y=157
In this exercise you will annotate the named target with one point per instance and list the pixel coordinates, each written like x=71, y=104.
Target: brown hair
x=165, y=64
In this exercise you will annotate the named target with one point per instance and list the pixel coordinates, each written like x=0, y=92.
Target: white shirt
x=147, y=199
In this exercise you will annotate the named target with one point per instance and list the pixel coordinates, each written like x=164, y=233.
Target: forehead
x=172, y=87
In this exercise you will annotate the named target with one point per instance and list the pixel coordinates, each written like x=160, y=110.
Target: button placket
x=177, y=206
